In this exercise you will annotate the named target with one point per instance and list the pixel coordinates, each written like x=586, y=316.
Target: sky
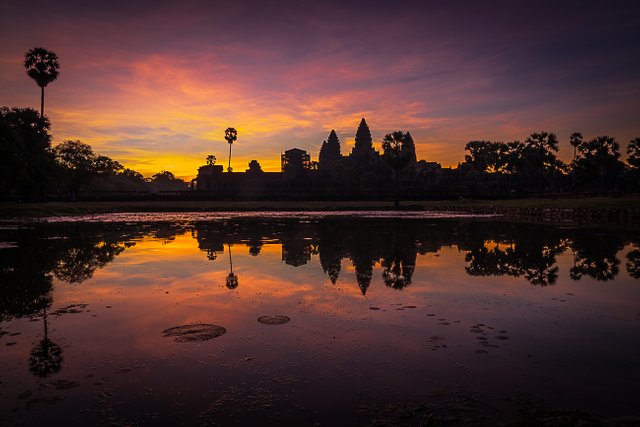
x=154, y=84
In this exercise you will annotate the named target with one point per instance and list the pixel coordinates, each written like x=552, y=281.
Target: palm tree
x=231, y=135
x=397, y=155
x=42, y=66
x=575, y=140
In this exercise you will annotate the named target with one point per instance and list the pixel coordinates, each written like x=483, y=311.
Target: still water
x=317, y=320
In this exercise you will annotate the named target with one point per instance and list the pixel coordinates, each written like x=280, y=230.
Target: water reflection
x=451, y=299
x=73, y=252
x=595, y=255
x=232, y=279
x=633, y=262
x=46, y=356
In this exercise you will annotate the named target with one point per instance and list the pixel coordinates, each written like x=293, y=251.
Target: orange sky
x=155, y=87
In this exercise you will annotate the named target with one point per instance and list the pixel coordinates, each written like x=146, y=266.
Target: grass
x=36, y=210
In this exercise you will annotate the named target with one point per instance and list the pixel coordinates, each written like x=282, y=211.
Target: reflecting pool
x=318, y=320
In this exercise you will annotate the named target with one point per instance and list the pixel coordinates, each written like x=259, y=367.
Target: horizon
x=154, y=88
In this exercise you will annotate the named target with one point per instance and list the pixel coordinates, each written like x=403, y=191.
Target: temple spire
x=363, y=151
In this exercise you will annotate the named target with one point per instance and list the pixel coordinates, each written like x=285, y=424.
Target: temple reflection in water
x=84, y=306
x=73, y=252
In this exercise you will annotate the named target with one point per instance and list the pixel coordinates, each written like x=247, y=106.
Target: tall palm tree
x=575, y=140
x=397, y=155
x=231, y=135
x=42, y=66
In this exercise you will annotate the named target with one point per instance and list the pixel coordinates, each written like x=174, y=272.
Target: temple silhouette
x=362, y=173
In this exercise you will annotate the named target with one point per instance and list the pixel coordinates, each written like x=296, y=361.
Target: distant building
x=295, y=162
x=254, y=168
x=208, y=177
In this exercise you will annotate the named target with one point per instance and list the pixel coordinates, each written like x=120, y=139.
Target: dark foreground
x=327, y=321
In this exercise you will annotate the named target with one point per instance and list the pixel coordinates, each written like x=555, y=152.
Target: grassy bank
x=35, y=210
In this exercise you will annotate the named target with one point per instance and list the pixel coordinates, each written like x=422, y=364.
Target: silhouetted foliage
x=529, y=253
x=633, y=152
x=27, y=166
x=79, y=262
x=231, y=135
x=45, y=358
x=77, y=160
x=575, y=140
x=68, y=253
x=232, y=279
x=167, y=181
x=254, y=168
x=25, y=275
x=597, y=164
x=539, y=150
x=633, y=263
x=398, y=151
x=595, y=256
x=483, y=155
x=42, y=66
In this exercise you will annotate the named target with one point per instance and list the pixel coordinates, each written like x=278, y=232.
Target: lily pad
x=194, y=332
x=273, y=320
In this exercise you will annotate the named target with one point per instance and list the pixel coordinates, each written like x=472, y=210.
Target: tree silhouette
x=575, y=140
x=42, y=66
x=598, y=164
x=397, y=155
x=633, y=151
x=633, y=262
x=231, y=135
x=254, y=167
x=595, y=256
x=167, y=181
x=77, y=161
x=46, y=357
x=211, y=160
x=27, y=165
x=540, y=148
x=482, y=155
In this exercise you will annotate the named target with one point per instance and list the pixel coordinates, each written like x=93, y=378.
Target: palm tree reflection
x=232, y=279
x=46, y=357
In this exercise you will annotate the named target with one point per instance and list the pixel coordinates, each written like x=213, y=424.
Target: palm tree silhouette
x=396, y=154
x=231, y=135
x=42, y=66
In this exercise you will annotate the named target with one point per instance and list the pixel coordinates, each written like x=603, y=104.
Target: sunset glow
x=155, y=87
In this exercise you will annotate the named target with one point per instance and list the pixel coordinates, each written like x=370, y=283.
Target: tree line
x=533, y=165
x=32, y=170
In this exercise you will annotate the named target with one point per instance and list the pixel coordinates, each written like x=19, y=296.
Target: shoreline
x=621, y=210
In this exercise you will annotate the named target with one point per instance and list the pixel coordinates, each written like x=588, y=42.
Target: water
x=317, y=319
